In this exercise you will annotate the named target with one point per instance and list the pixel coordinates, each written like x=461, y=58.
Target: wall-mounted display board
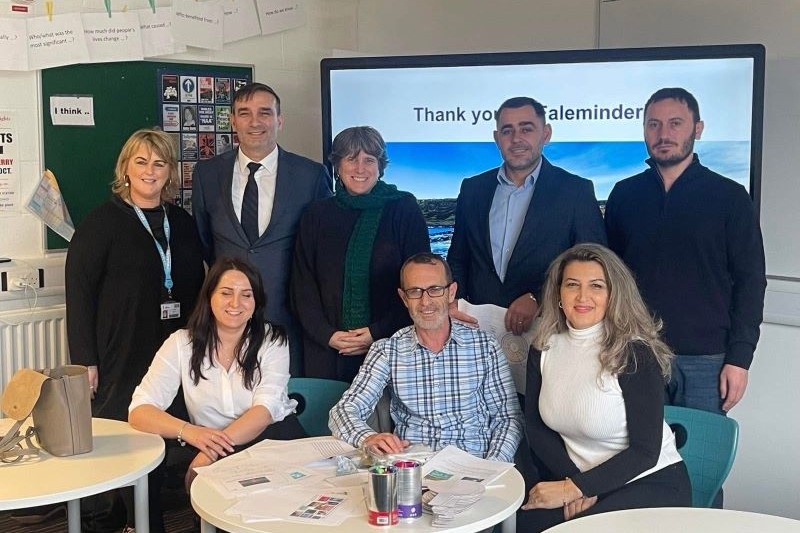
x=191, y=101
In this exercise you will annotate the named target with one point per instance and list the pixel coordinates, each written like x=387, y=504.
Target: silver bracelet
x=180, y=434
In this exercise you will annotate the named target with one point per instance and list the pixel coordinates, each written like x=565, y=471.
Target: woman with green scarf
x=348, y=256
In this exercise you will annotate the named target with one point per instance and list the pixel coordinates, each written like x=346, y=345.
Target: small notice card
x=57, y=42
x=198, y=23
x=72, y=110
x=280, y=15
x=13, y=44
x=115, y=38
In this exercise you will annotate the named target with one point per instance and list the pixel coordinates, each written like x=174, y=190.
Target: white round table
x=679, y=519
x=120, y=456
x=499, y=504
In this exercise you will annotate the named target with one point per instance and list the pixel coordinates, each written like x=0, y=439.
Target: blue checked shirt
x=463, y=395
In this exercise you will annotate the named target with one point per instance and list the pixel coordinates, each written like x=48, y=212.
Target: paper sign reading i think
x=72, y=110
x=280, y=15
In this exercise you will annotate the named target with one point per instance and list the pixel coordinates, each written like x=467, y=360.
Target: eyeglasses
x=436, y=291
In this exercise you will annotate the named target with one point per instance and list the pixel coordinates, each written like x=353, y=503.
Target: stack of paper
x=452, y=464
x=452, y=499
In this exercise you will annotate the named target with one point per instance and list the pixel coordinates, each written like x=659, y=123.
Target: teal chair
x=707, y=442
x=315, y=397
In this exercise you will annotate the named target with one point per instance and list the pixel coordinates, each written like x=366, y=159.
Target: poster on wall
x=195, y=104
x=9, y=162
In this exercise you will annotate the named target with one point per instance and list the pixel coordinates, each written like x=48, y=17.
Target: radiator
x=32, y=339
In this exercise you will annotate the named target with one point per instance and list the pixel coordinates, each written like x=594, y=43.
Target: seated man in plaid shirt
x=450, y=384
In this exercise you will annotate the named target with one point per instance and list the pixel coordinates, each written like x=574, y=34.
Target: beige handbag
x=60, y=401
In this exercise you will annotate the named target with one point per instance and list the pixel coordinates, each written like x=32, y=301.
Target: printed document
x=491, y=318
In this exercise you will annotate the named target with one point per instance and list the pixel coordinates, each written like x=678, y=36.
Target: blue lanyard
x=166, y=257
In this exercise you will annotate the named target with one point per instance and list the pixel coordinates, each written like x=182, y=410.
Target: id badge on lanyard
x=170, y=308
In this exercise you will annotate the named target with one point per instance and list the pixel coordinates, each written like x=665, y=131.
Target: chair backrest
x=315, y=397
x=707, y=442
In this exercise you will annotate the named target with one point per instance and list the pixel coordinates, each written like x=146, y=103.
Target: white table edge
x=507, y=517
x=72, y=497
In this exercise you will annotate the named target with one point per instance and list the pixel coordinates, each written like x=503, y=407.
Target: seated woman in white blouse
x=595, y=397
x=233, y=368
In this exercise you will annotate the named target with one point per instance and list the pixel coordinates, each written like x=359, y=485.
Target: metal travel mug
x=409, y=489
x=382, y=496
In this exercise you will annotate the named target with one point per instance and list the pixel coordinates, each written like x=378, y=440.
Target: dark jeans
x=668, y=487
x=695, y=382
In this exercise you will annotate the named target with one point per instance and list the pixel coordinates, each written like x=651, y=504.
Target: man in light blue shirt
x=512, y=221
x=450, y=384
x=509, y=206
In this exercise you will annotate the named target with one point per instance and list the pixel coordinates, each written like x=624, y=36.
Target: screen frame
x=756, y=52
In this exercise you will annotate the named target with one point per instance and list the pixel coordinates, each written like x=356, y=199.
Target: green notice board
x=127, y=97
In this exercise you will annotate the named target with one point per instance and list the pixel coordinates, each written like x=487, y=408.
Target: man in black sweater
x=693, y=241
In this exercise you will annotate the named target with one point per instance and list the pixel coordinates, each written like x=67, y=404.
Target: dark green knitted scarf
x=355, y=289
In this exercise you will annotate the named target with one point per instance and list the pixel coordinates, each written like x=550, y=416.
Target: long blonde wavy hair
x=627, y=319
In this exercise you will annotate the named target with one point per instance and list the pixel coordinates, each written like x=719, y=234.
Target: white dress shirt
x=265, y=179
x=221, y=398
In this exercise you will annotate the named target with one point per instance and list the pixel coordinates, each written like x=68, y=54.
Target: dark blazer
x=299, y=182
x=563, y=212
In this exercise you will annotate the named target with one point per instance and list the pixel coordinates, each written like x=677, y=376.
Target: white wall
x=413, y=27
x=765, y=475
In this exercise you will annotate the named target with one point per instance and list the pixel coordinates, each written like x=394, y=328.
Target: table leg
x=74, y=516
x=509, y=524
x=205, y=527
x=141, y=505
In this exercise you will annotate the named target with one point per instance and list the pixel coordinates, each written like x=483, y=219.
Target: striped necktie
x=250, y=204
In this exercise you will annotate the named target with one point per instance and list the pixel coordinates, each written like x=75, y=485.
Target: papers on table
x=457, y=480
x=302, y=452
x=452, y=464
x=329, y=508
x=286, y=480
x=452, y=500
x=296, y=481
x=271, y=465
x=491, y=318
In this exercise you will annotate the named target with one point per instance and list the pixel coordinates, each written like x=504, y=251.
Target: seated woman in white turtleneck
x=594, y=397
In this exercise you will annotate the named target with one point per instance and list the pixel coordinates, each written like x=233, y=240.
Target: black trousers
x=111, y=511
x=179, y=458
x=668, y=487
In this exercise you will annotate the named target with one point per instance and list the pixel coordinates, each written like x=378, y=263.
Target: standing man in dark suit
x=247, y=202
x=512, y=221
